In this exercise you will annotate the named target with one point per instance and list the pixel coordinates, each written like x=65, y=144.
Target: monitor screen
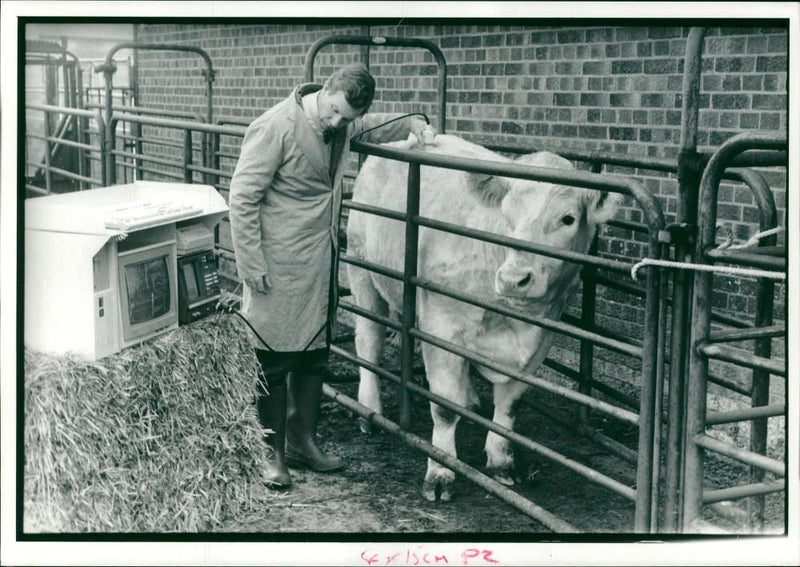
x=148, y=288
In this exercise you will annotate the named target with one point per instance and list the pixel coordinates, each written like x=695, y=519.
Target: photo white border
x=747, y=551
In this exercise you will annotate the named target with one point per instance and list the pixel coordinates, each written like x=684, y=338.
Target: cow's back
x=444, y=196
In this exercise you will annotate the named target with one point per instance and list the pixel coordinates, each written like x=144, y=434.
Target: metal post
x=48, y=181
x=760, y=391
x=187, y=156
x=588, y=308
x=686, y=216
x=408, y=317
x=648, y=420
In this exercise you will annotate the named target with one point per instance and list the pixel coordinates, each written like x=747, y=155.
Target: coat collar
x=307, y=139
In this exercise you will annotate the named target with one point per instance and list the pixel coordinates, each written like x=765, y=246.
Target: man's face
x=334, y=111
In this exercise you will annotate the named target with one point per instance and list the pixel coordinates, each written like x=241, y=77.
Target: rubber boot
x=272, y=415
x=302, y=451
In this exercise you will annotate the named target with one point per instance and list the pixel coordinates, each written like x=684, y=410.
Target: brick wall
x=597, y=88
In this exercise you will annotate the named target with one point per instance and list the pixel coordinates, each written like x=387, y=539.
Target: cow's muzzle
x=513, y=281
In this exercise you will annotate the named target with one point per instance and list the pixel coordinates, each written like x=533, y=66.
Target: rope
x=707, y=268
x=753, y=241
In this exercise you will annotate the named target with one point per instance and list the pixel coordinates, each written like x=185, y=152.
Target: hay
x=161, y=437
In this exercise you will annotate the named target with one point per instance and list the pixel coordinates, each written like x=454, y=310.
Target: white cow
x=544, y=213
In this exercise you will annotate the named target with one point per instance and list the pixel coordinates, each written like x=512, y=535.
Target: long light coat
x=285, y=201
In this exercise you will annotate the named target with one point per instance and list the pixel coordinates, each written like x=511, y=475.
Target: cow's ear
x=489, y=189
x=602, y=206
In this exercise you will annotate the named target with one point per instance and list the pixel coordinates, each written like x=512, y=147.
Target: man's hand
x=260, y=285
x=423, y=131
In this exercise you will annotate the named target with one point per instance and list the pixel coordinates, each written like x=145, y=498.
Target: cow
x=554, y=215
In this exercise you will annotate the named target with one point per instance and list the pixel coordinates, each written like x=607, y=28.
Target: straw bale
x=161, y=437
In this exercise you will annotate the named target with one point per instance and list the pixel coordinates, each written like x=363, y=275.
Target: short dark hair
x=356, y=83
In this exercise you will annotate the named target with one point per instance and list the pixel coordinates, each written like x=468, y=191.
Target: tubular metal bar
x=63, y=142
x=700, y=328
x=756, y=158
x=608, y=409
x=181, y=124
x=745, y=414
x=129, y=166
x=209, y=170
x=62, y=110
x=557, y=326
x=747, y=457
x=379, y=211
x=69, y=174
x=761, y=158
x=148, y=159
x=654, y=218
x=409, y=314
x=441, y=63
x=490, y=485
x=516, y=438
x=109, y=67
x=377, y=268
x=640, y=292
x=729, y=384
x=600, y=330
x=590, y=156
x=765, y=298
x=596, y=384
x=622, y=286
x=367, y=314
x=604, y=441
x=627, y=225
x=736, y=492
x=742, y=358
x=35, y=189
x=688, y=170
x=150, y=111
x=550, y=251
x=746, y=334
x=748, y=259
x=550, y=324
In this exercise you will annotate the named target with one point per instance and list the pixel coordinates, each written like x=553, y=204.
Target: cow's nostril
x=524, y=281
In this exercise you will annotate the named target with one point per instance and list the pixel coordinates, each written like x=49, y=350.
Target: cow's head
x=559, y=216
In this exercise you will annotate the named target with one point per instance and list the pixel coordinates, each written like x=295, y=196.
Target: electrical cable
x=395, y=119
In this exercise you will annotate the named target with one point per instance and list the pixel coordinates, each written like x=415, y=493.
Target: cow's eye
x=568, y=219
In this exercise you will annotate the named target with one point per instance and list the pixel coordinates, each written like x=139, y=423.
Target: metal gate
x=665, y=500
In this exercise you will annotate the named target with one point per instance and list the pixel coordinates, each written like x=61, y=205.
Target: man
x=285, y=198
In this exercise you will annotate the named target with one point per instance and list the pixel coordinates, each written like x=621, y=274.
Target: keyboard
x=145, y=215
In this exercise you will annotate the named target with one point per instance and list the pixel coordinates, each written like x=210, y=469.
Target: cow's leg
x=369, y=341
x=447, y=376
x=499, y=451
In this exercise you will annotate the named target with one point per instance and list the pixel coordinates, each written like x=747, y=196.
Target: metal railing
x=706, y=345
x=644, y=419
x=87, y=151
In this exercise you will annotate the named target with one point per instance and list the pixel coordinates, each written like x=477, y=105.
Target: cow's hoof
x=437, y=490
x=429, y=491
x=503, y=476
